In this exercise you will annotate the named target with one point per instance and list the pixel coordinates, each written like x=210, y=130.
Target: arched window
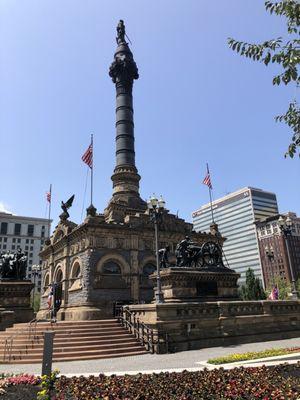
x=46, y=282
x=111, y=268
x=148, y=269
x=59, y=276
x=75, y=273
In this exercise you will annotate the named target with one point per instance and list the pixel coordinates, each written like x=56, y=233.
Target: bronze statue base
x=180, y=284
x=15, y=296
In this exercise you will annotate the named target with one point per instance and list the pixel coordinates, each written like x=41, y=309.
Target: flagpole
x=92, y=169
x=210, y=197
x=49, y=211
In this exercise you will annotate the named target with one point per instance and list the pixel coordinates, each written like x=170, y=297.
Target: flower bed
x=252, y=355
x=259, y=383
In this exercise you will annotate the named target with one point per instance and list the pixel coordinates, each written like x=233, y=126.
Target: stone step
x=65, y=323
x=68, y=331
x=43, y=326
x=85, y=340
x=70, y=339
x=76, y=352
x=61, y=327
x=83, y=348
x=71, y=342
x=78, y=357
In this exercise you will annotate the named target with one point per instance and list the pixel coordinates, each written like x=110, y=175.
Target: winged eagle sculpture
x=65, y=206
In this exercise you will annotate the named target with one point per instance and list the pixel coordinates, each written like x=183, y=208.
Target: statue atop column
x=121, y=32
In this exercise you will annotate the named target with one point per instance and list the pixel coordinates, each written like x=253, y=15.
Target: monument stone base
x=15, y=296
x=197, y=325
x=182, y=284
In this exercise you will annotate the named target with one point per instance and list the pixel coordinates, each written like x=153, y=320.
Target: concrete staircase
x=78, y=340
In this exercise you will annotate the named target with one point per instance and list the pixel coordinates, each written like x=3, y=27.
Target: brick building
x=273, y=248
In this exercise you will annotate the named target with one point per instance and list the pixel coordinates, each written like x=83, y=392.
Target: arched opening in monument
x=75, y=277
x=146, y=285
x=57, y=290
x=111, y=268
x=148, y=269
x=75, y=272
x=46, y=282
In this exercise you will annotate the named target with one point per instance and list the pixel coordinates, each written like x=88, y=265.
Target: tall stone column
x=123, y=72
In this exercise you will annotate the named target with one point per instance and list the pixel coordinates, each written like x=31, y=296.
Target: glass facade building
x=235, y=215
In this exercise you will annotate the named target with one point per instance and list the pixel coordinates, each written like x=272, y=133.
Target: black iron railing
x=145, y=335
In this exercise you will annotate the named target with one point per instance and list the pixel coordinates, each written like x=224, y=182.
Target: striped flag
x=48, y=197
x=207, y=180
x=87, y=158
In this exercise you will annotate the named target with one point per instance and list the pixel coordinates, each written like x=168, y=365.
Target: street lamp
x=285, y=225
x=270, y=255
x=156, y=208
x=35, y=269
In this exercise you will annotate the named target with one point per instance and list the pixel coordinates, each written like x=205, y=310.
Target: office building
x=235, y=215
x=27, y=233
x=278, y=260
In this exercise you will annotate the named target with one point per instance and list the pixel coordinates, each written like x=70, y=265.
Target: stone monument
x=109, y=257
x=15, y=289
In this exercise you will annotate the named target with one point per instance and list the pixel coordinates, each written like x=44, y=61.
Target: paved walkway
x=150, y=362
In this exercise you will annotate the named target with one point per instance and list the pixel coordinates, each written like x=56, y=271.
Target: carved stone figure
x=163, y=257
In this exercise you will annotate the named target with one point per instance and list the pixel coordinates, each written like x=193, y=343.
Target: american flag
x=88, y=156
x=207, y=180
x=48, y=196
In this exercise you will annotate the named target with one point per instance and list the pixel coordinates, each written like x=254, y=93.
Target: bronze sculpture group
x=190, y=255
x=13, y=266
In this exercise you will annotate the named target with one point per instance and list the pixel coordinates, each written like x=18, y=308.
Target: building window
x=13, y=247
x=27, y=240
x=30, y=255
x=111, y=268
x=17, y=229
x=30, y=230
x=149, y=269
x=5, y=240
x=3, y=230
x=31, y=248
x=31, y=241
x=26, y=247
x=4, y=246
x=19, y=240
x=14, y=240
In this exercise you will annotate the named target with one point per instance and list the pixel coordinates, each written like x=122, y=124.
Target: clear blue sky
x=195, y=102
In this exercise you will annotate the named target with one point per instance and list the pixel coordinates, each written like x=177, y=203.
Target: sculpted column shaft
x=123, y=72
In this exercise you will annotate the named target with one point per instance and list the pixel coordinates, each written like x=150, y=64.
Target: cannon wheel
x=210, y=253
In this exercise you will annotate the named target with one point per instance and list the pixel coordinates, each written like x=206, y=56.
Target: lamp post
x=35, y=271
x=270, y=255
x=156, y=208
x=285, y=225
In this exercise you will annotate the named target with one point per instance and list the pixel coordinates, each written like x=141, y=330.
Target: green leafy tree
x=252, y=290
x=286, y=53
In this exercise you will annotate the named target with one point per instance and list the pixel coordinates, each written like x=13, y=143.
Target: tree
x=286, y=53
x=253, y=289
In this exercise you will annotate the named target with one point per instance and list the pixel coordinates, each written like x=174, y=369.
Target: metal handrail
x=142, y=332
x=8, y=345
